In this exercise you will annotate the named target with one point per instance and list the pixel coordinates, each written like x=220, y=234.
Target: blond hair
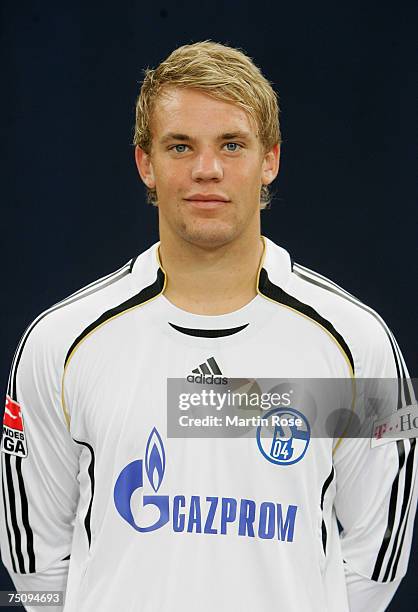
x=222, y=72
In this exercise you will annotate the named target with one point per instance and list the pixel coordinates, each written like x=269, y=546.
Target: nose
x=207, y=167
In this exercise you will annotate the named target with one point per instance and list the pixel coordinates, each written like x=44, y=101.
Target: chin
x=209, y=234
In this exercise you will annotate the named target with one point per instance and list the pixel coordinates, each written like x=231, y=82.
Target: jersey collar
x=147, y=268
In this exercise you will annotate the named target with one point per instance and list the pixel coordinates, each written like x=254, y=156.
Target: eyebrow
x=237, y=134
x=184, y=137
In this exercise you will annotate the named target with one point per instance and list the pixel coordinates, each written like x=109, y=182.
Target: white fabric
x=114, y=390
x=53, y=579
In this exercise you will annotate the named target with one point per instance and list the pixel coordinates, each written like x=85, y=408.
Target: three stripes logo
x=208, y=372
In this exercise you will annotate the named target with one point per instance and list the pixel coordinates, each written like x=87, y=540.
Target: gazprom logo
x=131, y=479
x=209, y=515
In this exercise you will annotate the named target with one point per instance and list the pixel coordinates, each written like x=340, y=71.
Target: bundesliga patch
x=13, y=441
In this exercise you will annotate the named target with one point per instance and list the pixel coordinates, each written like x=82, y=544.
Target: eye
x=179, y=148
x=232, y=147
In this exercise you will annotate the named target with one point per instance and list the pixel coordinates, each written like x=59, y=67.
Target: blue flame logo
x=131, y=478
x=155, y=460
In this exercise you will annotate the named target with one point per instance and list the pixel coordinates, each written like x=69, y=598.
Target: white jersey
x=94, y=487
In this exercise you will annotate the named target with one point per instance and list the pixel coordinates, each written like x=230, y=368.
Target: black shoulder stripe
x=408, y=485
x=408, y=391
x=102, y=282
x=208, y=333
x=336, y=290
x=131, y=267
x=87, y=519
x=140, y=298
x=272, y=291
x=13, y=516
x=395, y=565
x=6, y=519
x=89, y=290
x=18, y=552
x=25, y=516
x=391, y=515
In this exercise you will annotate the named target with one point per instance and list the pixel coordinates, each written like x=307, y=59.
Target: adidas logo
x=208, y=373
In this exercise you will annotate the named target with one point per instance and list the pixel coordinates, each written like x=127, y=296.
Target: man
x=98, y=499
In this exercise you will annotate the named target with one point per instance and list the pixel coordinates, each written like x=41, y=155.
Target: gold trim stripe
x=90, y=333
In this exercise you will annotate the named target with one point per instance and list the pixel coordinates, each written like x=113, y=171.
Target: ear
x=270, y=166
x=145, y=169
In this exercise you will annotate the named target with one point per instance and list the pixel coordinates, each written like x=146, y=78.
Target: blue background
x=73, y=207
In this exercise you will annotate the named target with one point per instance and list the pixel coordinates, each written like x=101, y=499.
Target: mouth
x=207, y=201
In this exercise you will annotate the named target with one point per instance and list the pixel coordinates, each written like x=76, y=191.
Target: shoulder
x=50, y=335
x=371, y=341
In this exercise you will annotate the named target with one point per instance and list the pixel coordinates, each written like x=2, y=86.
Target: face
x=207, y=165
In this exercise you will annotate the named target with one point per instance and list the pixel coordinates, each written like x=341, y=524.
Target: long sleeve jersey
x=101, y=502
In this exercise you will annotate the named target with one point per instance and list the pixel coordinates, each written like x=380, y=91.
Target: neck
x=215, y=281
